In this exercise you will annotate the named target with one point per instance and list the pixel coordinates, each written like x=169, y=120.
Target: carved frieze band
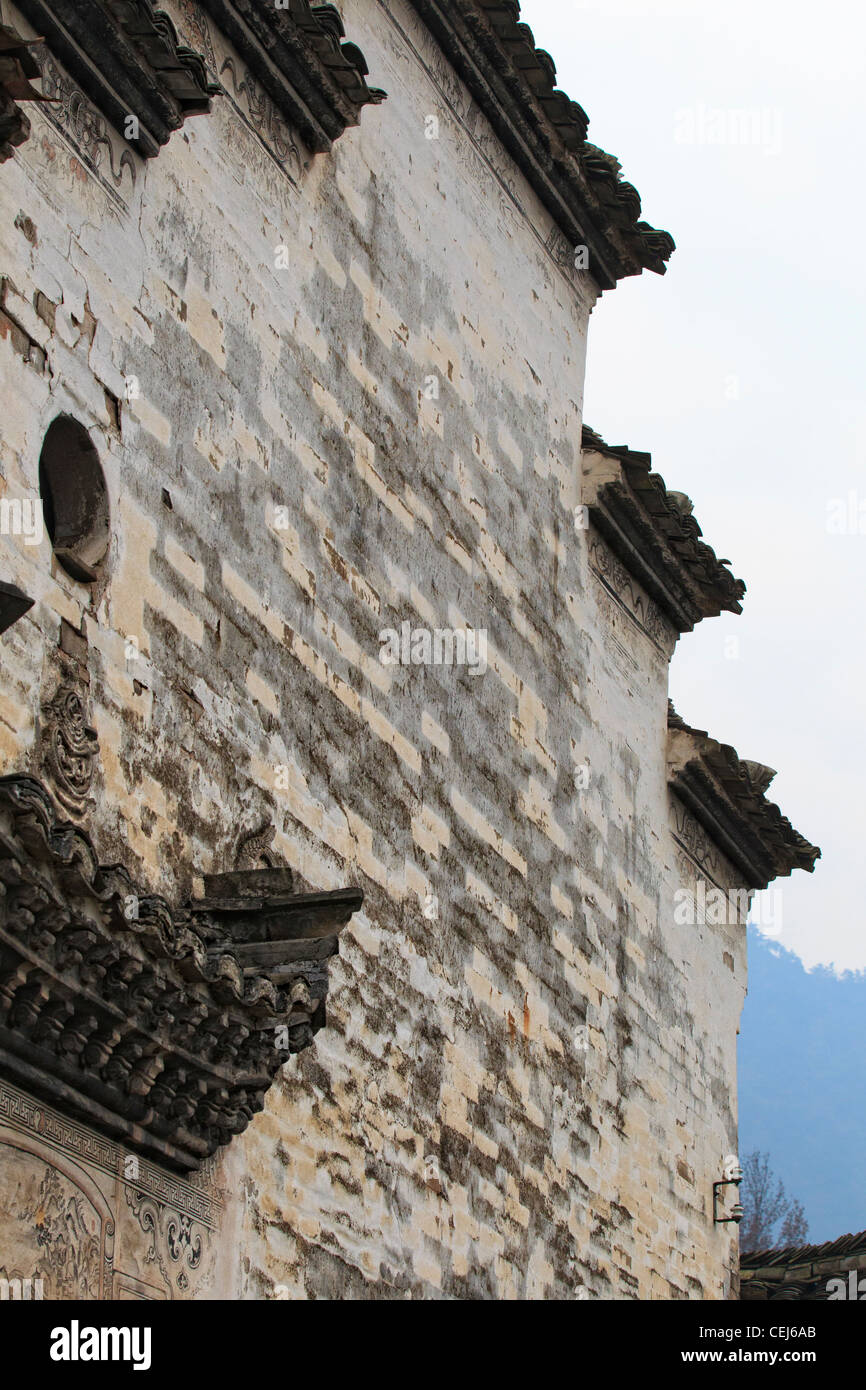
x=101, y=152
x=253, y=105
x=698, y=857
x=617, y=580
x=74, y=115
x=200, y=1204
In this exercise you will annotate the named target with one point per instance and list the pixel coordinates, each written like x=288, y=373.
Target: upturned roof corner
x=514, y=83
x=655, y=535
x=299, y=53
x=727, y=795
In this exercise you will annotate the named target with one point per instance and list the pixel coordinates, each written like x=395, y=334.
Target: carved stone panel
x=179, y=1246
x=55, y=1224
x=93, y=1221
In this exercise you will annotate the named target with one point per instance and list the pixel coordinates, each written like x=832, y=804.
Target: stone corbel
x=255, y=917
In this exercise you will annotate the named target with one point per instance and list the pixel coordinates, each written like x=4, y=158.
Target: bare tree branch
x=767, y=1206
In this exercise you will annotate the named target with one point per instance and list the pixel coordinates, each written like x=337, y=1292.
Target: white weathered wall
x=561, y=1049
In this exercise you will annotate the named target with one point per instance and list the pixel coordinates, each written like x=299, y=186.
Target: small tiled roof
x=300, y=55
x=798, y=1272
x=127, y=57
x=655, y=536
x=727, y=795
x=178, y=1003
x=514, y=83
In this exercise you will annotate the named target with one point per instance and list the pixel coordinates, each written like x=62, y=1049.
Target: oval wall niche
x=74, y=499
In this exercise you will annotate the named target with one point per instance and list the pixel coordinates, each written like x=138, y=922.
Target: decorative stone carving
x=192, y=20
x=178, y=1242
x=654, y=537
x=126, y=57
x=760, y=776
x=163, y=1026
x=265, y=119
x=698, y=855
x=254, y=850
x=619, y=582
x=88, y=1220
x=69, y=749
x=57, y=1224
x=88, y=130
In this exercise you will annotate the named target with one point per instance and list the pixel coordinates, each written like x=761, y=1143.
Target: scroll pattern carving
x=69, y=749
x=247, y=96
x=266, y=120
x=179, y=1245
x=74, y=115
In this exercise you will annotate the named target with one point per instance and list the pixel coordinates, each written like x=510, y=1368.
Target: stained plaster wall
x=527, y=1094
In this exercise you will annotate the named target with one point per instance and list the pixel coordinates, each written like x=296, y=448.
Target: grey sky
x=742, y=372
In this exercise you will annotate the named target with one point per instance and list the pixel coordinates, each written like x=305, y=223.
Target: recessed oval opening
x=74, y=499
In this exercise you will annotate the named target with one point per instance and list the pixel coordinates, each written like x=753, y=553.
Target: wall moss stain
x=453, y=1046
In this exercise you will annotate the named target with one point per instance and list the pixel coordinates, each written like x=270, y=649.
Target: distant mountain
x=802, y=1084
